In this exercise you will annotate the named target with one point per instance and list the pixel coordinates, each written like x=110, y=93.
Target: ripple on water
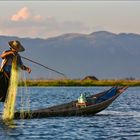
x=120, y=121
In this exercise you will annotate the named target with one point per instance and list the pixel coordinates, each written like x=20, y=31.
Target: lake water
x=120, y=121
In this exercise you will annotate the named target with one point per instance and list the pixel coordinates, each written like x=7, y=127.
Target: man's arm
x=6, y=53
x=22, y=66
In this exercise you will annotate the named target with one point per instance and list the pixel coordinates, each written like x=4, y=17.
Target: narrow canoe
x=103, y=100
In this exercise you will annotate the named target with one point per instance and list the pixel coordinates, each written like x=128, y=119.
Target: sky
x=44, y=19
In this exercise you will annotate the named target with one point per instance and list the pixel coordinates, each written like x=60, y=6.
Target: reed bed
x=77, y=82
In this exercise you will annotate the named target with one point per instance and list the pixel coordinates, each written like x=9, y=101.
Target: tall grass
x=75, y=82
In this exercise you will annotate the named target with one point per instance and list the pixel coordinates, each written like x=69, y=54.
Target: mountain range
x=102, y=54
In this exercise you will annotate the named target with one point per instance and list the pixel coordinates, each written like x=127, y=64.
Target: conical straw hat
x=16, y=46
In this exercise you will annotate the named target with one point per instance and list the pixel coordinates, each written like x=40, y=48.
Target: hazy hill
x=103, y=54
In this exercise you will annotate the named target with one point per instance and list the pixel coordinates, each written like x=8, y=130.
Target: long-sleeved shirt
x=7, y=62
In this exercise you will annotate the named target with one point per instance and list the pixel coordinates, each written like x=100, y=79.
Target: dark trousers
x=4, y=82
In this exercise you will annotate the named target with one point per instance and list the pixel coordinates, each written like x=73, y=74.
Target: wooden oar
x=44, y=66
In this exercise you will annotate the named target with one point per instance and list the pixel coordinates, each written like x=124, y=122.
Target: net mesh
x=9, y=105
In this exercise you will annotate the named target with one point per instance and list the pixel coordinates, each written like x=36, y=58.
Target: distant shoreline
x=69, y=82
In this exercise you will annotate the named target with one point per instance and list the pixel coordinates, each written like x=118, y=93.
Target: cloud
x=26, y=24
x=38, y=18
x=42, y=28
x=22, y=14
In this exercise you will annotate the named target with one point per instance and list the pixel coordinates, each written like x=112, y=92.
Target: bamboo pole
x=44, y=66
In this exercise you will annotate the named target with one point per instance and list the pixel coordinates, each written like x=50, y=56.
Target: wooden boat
x=103, y=100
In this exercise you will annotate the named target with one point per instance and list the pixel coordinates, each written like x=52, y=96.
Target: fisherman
x=5, y=70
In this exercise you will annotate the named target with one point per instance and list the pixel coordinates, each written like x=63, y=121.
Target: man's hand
x=28, y=69
x=12, y=53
